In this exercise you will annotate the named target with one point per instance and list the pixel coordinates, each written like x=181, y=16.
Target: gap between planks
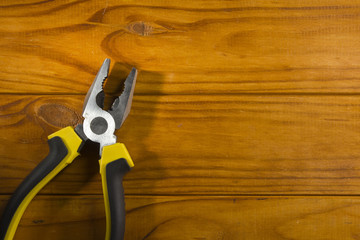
x=203, y=195
x=207, y=94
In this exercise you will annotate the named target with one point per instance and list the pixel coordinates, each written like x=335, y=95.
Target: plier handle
x=66, y=144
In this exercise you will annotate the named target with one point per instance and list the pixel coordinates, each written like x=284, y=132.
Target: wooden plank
x=160, y=217
x=182, y=47
x=216, y=144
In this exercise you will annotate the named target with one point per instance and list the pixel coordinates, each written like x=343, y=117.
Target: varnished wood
x=245, y=121
x=197, y=47
x=228, y=218
x=200, y=144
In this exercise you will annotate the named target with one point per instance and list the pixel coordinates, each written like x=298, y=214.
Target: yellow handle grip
x=114, y=164
x=64, y=146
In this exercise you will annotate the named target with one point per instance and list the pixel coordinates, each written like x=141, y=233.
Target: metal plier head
x=65, y=145
x=99, y=125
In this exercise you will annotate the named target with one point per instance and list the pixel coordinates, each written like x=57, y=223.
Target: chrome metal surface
x=121, y=107
x=99, y=125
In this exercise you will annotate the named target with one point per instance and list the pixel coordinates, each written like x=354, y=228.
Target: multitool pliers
x=98, y=126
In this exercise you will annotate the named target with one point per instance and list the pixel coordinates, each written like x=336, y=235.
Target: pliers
x=65, y=145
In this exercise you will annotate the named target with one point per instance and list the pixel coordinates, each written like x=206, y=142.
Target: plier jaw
x=99, y=126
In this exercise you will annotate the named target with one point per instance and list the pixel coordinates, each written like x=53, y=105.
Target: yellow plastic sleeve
x=109, y=154
x=72, y=142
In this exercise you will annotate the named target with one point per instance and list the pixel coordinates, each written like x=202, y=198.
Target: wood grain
x=245, y=121
x=182, y=47
x=227, y=218
x=200, y=144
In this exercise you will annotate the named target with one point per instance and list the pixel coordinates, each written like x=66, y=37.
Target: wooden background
x=245, y=122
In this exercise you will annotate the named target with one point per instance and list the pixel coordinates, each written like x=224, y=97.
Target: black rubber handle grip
x=62, y=151
x=115, y=172
x=58, y=151
x=115, y=162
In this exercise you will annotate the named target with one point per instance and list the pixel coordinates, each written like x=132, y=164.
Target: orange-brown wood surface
x=245, y=121
x=195, y=217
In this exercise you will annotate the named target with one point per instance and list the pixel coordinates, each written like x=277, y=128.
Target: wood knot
x=58, y=115
x=38, y=221
x=140, y=28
